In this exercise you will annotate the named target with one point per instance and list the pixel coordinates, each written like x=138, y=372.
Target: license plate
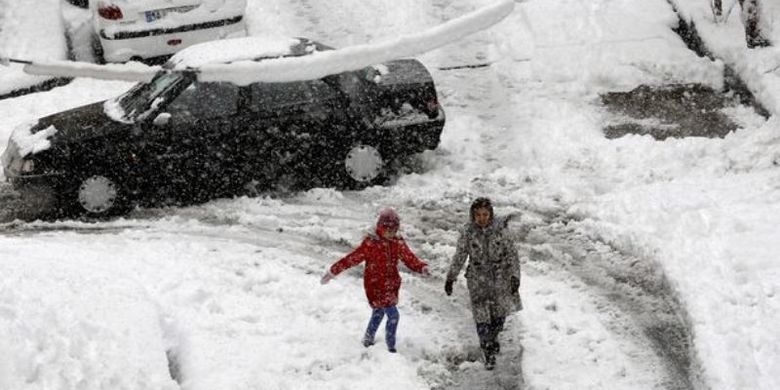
x=158, y=14
x=151, y=16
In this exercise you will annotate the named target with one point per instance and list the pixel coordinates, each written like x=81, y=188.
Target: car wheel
x=79, y=3
x=97, y=49
x=99, y=195
x=363, y=165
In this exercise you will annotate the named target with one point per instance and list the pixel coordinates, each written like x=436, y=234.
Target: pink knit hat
x=388, y=218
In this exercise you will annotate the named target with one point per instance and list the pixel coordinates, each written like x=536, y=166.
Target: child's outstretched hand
x=425, y=272
x=326, y=278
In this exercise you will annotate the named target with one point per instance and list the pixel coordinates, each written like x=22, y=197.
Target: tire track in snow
x=297, y=226
x=641, y=303
x=292, y=233
x=663, y=334
x=479, y=95
x=463, y=359
x=440, y=220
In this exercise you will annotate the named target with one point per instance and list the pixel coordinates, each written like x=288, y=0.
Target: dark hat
x=388, y=218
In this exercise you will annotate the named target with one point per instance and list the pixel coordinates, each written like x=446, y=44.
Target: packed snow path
x=219, y=282
x=572, y=325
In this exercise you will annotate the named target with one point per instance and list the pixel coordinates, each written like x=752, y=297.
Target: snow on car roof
x=237, y=49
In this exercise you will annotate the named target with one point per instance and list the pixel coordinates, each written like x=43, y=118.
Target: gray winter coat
x=493, y=260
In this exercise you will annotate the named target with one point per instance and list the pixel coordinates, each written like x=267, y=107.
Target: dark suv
x=178, y=140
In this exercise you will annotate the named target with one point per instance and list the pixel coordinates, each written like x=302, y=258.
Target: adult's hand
x=448, y=287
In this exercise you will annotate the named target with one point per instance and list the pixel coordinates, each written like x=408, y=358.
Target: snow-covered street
x=221, y=285
x=646, y=264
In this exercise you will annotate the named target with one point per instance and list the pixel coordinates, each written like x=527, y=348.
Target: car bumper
x=124, y=45
x=36, y=192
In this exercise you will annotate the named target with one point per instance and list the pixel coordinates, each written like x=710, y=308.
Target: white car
x=147, y=29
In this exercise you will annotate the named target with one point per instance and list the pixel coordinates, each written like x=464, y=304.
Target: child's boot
x=490, y=360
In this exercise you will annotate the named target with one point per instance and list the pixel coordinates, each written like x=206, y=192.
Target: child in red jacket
x=381, y=279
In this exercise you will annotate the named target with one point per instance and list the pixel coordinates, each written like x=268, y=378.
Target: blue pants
x=390, y=326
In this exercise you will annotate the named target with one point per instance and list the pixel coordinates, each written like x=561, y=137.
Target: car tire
x=100, y=196
x=362, y=166
x=79, y=3
x=97, y=49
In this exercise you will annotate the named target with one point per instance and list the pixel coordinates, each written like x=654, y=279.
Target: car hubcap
x=97, y=194
x=363, y=163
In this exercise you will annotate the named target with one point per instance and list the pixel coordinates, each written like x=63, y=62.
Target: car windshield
x=143, y=97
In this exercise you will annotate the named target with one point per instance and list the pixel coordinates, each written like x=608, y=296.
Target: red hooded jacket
x=381, y=279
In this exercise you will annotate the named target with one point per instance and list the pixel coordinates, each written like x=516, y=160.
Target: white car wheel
x=363, y=163
x=97, y=194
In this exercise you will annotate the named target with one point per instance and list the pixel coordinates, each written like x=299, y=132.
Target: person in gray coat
x=492, y=274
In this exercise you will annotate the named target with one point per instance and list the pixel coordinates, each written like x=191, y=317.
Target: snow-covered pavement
x=230, y=292
x=226, y=295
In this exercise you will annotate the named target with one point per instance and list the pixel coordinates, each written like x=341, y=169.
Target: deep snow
x=230, y=288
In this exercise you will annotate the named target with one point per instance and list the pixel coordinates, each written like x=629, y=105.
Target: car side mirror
x=162, y=119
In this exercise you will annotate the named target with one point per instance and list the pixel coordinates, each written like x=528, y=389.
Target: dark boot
x=496, y=326
x=487, y=341
x=489, y=348
x=490, y=360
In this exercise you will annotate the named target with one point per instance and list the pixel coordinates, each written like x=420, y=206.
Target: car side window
x=205, y=101
x=274, y=96
x=350, y=83
x=360, y=93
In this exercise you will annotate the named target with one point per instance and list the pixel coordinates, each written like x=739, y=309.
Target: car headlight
x=10, y=154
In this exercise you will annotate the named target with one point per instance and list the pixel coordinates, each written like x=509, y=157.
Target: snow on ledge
x=131, y=71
